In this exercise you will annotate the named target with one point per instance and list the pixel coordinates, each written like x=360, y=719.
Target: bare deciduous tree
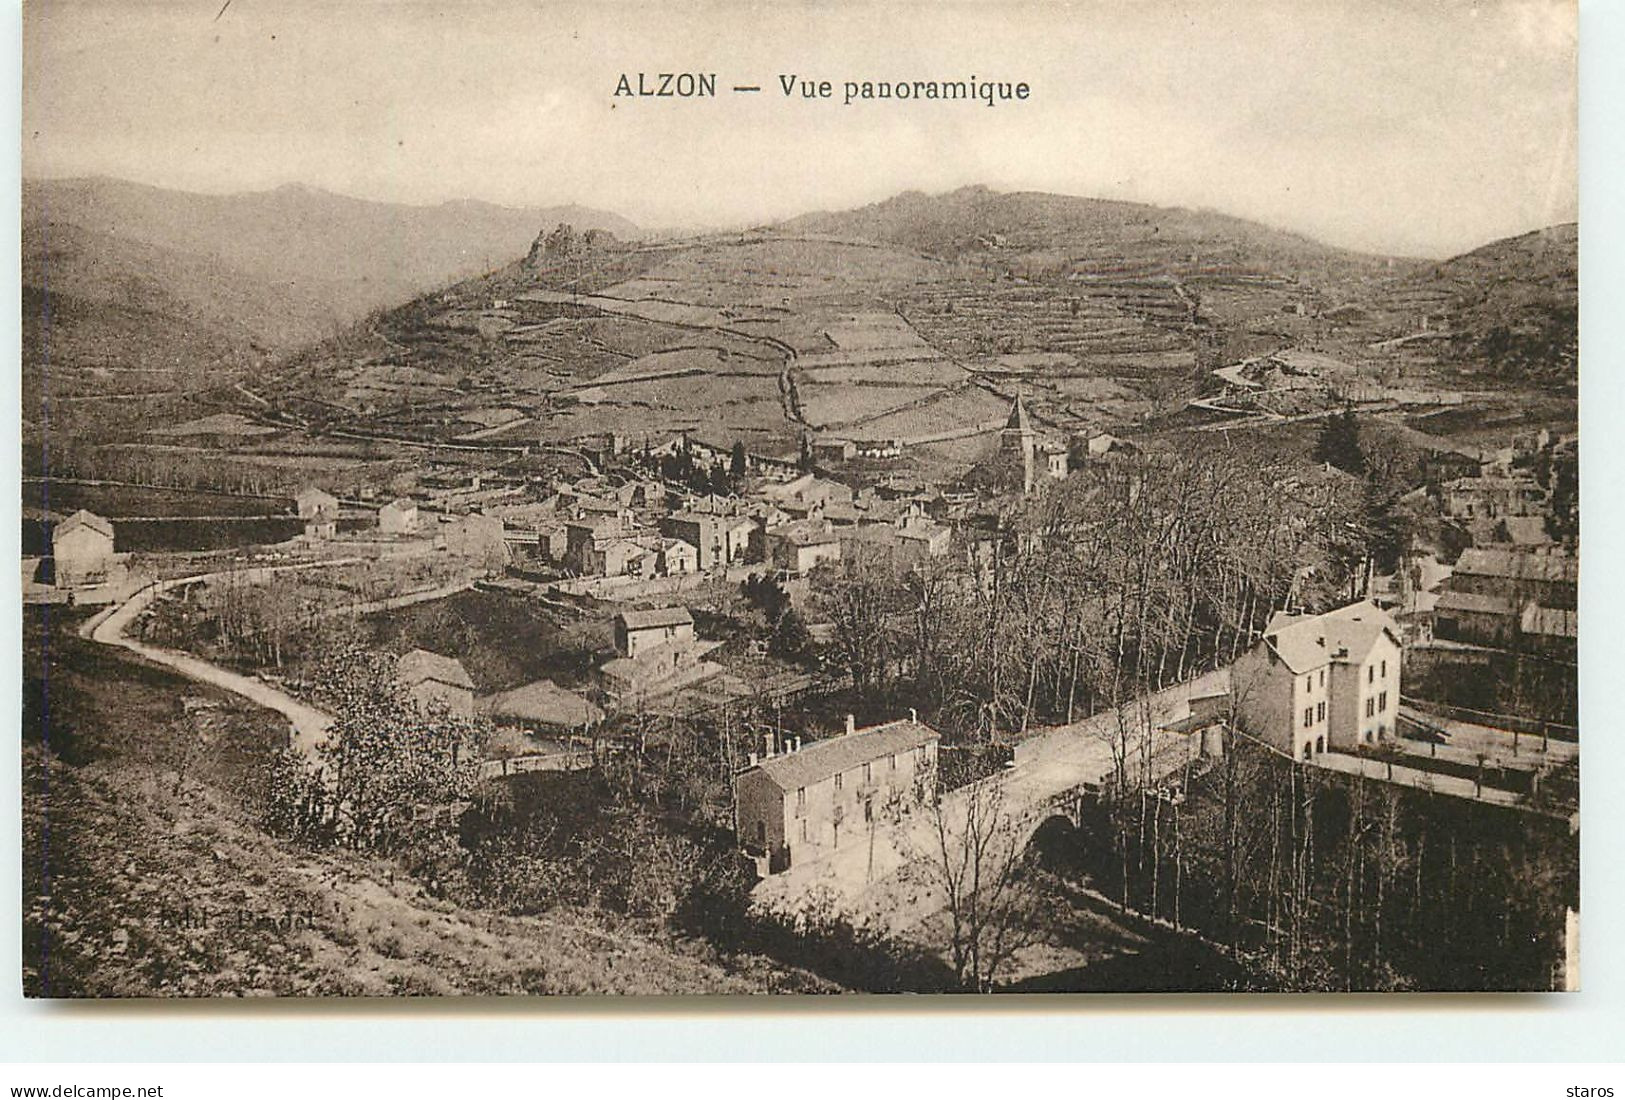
x=978, y=861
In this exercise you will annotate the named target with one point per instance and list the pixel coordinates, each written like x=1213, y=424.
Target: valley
x=1013, y=464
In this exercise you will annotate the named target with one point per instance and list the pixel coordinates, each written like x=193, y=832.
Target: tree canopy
x=1339, y=443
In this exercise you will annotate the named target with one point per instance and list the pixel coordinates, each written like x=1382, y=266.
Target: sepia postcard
x=566, y=499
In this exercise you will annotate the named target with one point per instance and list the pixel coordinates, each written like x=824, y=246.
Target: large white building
x=1315, y=683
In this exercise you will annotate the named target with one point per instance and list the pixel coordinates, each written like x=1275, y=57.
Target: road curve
x=307, y=725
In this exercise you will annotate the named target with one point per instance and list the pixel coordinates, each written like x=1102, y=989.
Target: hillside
x=1514, y=305
x=152, y=881
x=356, y=254
x=1094, y=233
x=146, y=874
x=1507, y=311
x=195, y=291
x=138, y=301
x=118, y=335
x=913, y=321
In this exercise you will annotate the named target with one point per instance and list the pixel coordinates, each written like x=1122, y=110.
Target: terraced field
x=912, y=320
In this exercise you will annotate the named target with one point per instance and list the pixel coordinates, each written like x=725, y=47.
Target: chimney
x=913, y=715
x=851, y=724
x=795, y=743
x=767, y=743
x=753, y=760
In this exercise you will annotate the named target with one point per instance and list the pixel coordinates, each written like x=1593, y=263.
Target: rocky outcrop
x=564, y=241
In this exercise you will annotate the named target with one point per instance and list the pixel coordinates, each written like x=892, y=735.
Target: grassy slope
x=182, y=288
x=136, y=883
x=502, y=641
x=133, y=888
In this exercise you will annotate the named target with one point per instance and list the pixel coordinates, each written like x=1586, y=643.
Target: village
x=546, y=538
x=687, y=582
x=975, y=591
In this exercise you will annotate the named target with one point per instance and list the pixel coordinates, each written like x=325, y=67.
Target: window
x=1308, y=717
x=1385, y=668
x=868, y=809
x=1320, y=712
x=1309, y=683
x=868, y=773
x=801, y=798
x=803, y=830
x=1370, y=674
x=1382, y=702
x=1369, y=711
x=1322, y=677
x=893, y=759
x=838, y=775
x=1308, y=750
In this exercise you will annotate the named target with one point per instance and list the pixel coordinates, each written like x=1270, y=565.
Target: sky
x=1412, y=127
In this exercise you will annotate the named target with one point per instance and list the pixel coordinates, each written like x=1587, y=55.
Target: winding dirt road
x=307, y=725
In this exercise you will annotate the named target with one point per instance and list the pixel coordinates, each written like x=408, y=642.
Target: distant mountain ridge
x=136, y=299
x=350, y=255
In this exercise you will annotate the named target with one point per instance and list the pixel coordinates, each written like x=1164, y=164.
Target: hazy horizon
x=1397, y=129
x=699, y=230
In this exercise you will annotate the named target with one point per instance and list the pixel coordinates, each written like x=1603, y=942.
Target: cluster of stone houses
x=641, y=530
x=1512, y=597
x=436, y=682
x=477, y=536
x=1486, y=493
x=1514, y=586
x=656, y=653
x=1492, y=497
x=634, y=526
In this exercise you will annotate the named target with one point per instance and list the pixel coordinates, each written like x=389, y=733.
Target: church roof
x=1018, y=416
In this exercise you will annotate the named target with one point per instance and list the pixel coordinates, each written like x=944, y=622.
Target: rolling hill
x=1508, y=309
x=910, y=321
x=92, y=271
x=135, y=297
x=1515, y=303
x=341, y=256
x=1097, y=232
x=877, y=316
